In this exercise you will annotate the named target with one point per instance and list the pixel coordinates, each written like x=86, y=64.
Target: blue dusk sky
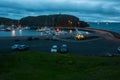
x=86, y=10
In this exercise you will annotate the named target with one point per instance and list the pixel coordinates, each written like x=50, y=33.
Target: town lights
x=70, y=22
x=79, y=36
x=58, y=30
x=13, y=32
x=86, y=33
x=70, y=31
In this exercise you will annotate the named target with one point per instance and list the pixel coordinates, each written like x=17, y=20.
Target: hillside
x=53, y=20
x=47, y=66
x=46, y=20
x=7, y=21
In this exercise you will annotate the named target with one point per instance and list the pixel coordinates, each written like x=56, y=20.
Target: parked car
x=20, y=47
x=64, y=48
x=15, y=47
x=23, y=47
x=118, y=49
x=54, y=49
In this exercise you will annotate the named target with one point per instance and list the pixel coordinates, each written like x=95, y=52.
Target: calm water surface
x=105, y=26
x=20, y=33
x=115, y=27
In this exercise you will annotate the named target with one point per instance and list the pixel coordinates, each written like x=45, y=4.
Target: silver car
x=19, y=47
x=15, y=47
x=118, y=49
x=23, y=47
x=54, y=49
x=64, y=48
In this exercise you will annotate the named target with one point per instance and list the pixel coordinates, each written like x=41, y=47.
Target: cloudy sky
x=87, y=10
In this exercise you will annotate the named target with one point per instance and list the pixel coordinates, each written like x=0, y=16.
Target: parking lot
x=100, y=47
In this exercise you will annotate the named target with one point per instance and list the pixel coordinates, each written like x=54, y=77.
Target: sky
x=86, y=10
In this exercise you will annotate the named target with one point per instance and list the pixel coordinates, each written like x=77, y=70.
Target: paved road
x=99, y=47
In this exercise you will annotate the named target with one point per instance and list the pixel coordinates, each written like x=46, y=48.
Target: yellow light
x=58, y=29
x=70, y=31
x=82, y=36
x=79, y=36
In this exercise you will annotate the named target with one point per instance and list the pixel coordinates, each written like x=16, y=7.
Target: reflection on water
x=41, y=33
x=17, y=32
x=13, y=32
x=20, y=32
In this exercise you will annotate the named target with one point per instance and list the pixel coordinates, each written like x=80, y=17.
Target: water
x=115, y=27
x=19, y=33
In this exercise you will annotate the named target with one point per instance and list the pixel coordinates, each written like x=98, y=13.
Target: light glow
x=13, y=32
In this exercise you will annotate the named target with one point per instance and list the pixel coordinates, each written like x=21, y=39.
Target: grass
x=47, y=66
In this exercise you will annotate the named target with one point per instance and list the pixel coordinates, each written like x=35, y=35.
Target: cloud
x=85, y=9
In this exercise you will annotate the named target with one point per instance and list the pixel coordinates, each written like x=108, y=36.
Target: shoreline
x=105, y=46
x=115, y=34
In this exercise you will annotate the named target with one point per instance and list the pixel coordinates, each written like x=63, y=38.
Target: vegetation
x=47, y=66
x=46, y=20
x=8, y=22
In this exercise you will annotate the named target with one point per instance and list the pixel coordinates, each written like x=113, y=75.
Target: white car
x=54, y=49
x=64, y=48
x=15, y=47
x=23, y=47
x=118, y=49
x=19, y=47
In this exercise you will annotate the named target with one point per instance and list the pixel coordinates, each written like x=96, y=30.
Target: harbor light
x=20, y=32
x=82, y=36
x=79, y=36
x=70, y=31
x=86, y=33
x=58, y=30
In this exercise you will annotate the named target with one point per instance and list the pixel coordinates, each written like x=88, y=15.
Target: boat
x=38, y=30
x=26, y=28
x=43, y=30
x=8, y=29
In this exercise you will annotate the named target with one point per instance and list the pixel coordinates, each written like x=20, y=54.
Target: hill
x=62, y=20
x=8, y=22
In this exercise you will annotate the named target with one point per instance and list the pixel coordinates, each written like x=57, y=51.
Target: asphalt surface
x=98, y=47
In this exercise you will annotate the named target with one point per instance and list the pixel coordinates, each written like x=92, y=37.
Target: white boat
x=8, y=29
x=26, y=28
x=38, y=30
x=43, y=30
